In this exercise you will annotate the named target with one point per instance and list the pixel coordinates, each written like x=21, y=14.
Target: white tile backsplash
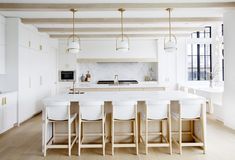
x=106, y=71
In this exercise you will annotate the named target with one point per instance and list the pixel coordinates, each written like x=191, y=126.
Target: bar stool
x=91, y=112
x=55, y=112
x=124, y=111
x=191, y=90
x=158, y=111
x=190, y=110
x=182, y=88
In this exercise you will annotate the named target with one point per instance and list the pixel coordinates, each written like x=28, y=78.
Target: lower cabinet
x=8, y=111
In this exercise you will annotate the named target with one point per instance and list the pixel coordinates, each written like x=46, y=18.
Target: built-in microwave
x=67, y=76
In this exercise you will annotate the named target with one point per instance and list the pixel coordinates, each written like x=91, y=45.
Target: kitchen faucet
x=74, y=87
x=116, y=79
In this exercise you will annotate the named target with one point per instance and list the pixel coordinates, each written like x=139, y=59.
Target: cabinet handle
x=4, y=101
x=41, y=80
x=29, y=82
x=29, y=44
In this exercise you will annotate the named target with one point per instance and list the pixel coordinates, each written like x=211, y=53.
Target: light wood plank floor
x=24, y=143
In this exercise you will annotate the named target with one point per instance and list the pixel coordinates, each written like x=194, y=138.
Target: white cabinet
x=36, y=79
x=8, y=111
x=2, y=59
x=2, y=45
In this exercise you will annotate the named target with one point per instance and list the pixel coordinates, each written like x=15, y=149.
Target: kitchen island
x=141, y=86
x=139, y=96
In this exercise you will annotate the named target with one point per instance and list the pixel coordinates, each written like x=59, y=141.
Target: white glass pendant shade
x=122, y=42
x=123, y=45
x=170, y=45
x=73, y=47
x=170, y=42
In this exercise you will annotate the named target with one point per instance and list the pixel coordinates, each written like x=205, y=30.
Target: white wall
x=106, y=71
x=107, y=49
x=172, y=66
x=229, y=83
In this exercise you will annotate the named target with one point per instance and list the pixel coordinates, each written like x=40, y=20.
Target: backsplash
x=106, y=71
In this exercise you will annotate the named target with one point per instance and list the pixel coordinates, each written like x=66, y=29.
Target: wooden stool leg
x=103, y=136
x=69, y=138
x=146, y=136
x=141, y=121
x=169, y=135
x=180, y=136
x=112, y=135
x=45, y=139
x=79, y=136
x=192, y=127
x=136, y=136
x=203, y=135
x=161, y=125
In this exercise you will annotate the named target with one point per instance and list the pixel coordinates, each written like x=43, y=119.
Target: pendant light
x=73, y=45
x=170, y=42
x=122, y=41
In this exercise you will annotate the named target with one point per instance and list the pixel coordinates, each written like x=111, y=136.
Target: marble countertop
x=127, y=95
x=6, y=92
x=139, y=85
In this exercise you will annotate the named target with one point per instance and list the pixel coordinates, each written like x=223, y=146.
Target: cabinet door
x=2, y=59
x=24, y=39
x=1, y=116
x=10, y=110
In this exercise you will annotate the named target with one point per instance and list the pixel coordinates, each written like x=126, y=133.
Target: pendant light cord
x=169, y=9
x=122, y=24
x=73, y=25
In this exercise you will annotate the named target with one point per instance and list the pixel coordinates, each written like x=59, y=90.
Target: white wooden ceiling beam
x=117, y=20
x=148, y=36
x=108, y=6
x=107, y=29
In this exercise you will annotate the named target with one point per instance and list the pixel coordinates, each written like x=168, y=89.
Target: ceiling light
x=170, y=42
x=73, y=40
x=122, y=41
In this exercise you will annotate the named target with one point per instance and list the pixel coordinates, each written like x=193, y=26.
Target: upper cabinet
x=30, y=38
x=2, y=45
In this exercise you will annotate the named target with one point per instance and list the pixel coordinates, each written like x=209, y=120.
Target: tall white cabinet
x=33, y=73
x=2, y=45
x=8, y=111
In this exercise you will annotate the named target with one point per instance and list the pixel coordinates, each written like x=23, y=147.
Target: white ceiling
x=112, y=1
x=158, y=13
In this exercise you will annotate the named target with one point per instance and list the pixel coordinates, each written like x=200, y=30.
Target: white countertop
x=6, y=92
x=127, y=95
x=139, y=85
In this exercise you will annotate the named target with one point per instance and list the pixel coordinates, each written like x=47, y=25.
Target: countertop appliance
x=67, y=76
x=119, y=82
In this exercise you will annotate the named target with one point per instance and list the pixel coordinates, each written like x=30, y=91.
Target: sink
x=76, y=93
x=120, y=84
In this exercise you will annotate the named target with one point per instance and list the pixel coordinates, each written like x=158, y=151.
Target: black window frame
x=201, y=72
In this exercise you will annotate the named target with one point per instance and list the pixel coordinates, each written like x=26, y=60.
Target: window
x=199, y=57
x=222, y=31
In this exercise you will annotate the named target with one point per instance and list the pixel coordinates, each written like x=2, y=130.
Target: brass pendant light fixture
x=122, y=41
x=170, y=42
x=73, y=45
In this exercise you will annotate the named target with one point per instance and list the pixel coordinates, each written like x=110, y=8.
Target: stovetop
x=120, y=82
